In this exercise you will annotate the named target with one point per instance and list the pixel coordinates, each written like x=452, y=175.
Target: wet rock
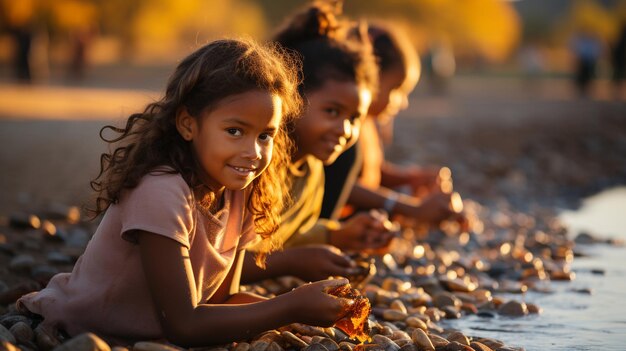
x=446, y=299
x=329, y=343
x=15, y=292
x=24, y=221
x=491, y=343
x=273, y=346
x=9, y=319
x=154, y=346
x=386, y=343
x=22, y=263
x=22, y=332
x=422, y=340
x=394, y=315
x=85, y=342
x=43, y=273
x=61, y=212
x=315, y=347
x=478, y=346
x=45, y=338
x=242, y=346
x=398, y=305
x=346, y=346
x=534, y=309
x=457, y=284
x=416, y=323
x=451, y=312
x=513, y=308
x=304, y=329
x=438, y=341
x=6, y=335
x=259, y=345
x=292, y=339
x=458, y=337
x=58, y=258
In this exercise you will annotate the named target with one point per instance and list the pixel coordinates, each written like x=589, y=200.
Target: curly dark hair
x=150, y=139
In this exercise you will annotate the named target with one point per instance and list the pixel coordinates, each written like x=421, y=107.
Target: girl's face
x=233, y=142
x=332, y=117
x=393, y=91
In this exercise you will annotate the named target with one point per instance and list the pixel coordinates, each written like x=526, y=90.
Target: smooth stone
x=315, y=347
x=386, y=343
x=438, y=341
x=242, y=346
x=421, y=339
x=84, y=342
x=292, y=339
x=513, y=308
x=446, y=299
x=22, y=263
x=59, y=258
x=6, y=335
x=478, y=346
x=329, y=343
x=45, y=339
x=458, y=337
x=22, y=332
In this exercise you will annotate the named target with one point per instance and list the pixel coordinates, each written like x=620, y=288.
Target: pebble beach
x=518, y=156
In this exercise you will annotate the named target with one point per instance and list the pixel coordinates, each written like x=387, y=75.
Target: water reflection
x=573, y=319
x=603, y=214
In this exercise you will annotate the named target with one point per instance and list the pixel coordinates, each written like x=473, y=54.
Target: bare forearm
x=275, y=267
x=392, y=175
x=365, y=198
x=219, y=324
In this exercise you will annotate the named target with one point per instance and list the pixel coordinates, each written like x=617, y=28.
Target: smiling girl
x=339, y=80
x=190, y=183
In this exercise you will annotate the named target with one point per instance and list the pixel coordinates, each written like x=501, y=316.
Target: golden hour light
x=312, y=175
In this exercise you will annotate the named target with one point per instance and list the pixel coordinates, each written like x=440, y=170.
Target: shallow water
x=571, y=319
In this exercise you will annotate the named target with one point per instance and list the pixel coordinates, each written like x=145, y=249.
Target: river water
x=588, y=313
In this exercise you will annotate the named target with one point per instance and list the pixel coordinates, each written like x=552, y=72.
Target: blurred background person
x=586, y=48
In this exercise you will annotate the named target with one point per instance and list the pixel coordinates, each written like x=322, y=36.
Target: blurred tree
x=487, y=28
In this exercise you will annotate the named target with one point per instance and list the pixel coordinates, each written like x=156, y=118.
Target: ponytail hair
x=393, y=49
x=321, y=40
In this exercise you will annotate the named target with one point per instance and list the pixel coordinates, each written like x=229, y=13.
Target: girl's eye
x=333, y=112
x=234, y=131
x=266, y=137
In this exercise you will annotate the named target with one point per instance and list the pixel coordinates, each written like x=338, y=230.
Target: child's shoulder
x=163, y=175
x=161, y=181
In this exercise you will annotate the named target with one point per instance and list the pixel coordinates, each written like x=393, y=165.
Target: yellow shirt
x=300, y=223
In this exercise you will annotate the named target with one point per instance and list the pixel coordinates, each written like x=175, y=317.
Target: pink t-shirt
x=107, y=292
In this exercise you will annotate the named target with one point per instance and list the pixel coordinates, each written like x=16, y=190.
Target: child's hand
x=364, y=231
x=440, y=206
x=317, y=262
x=314, y=306
x=426, y=180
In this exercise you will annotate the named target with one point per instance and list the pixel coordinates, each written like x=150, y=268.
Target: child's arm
x=185, y=322
x=393, y=176
x=433, y=209
x=309, y=263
